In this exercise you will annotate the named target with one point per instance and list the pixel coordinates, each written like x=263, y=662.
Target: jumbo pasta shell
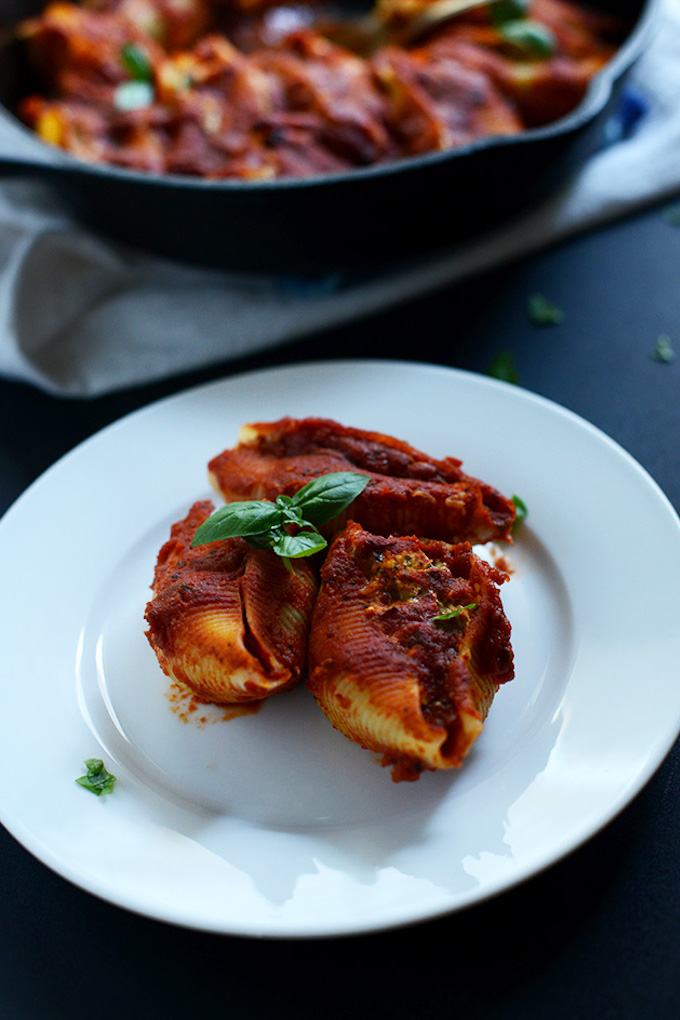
x=228, y=621
x=408, y=491
x=408, y=646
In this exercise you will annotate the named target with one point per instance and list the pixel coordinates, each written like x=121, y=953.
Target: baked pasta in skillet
x=254, y=91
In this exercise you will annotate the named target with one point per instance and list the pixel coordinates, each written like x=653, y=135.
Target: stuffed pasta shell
x=409, y=492
x=408, y=646
x=228, y=621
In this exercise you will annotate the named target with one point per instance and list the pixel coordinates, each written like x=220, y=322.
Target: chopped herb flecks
x=452, y=614
x=509, y=10
x=136, y=63
x=529, y=39
x=97, y=780
x=138, y=92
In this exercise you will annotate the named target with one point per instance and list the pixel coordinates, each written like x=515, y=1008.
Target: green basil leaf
x=305, y=543
x=133, y=95
x=136, y=62
x=249, y=517
x=264, y=539
x=266, y=525
x=290, y=514
x=529, y=38
x=325, y=497
x=520, y=511
x=98, y=780
x=509, y=10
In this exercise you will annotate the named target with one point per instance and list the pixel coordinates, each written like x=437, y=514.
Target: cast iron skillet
x=312, y=226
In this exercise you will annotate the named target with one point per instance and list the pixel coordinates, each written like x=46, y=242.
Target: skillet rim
x=597, y=95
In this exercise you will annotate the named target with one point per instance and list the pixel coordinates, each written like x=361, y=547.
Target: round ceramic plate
x=273, y=823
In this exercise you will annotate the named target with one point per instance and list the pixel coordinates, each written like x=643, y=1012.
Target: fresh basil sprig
x=98, y=780
x=289, y=525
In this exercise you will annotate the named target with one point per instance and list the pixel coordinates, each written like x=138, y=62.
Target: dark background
x=595, y=936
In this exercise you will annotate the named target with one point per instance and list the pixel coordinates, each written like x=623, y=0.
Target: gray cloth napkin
x=82, y=317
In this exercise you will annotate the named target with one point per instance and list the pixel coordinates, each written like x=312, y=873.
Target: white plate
x=274, y=824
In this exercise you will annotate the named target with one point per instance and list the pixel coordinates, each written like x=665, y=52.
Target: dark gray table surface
x=597, y=935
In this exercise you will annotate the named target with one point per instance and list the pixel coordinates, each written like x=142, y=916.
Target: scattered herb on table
x=662, y=349
x=543, y=312
x=671, y=215
x=288, y=525
x=98, y=780
x=503, y=367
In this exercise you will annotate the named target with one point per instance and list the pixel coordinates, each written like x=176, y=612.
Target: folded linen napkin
x=81, y=317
